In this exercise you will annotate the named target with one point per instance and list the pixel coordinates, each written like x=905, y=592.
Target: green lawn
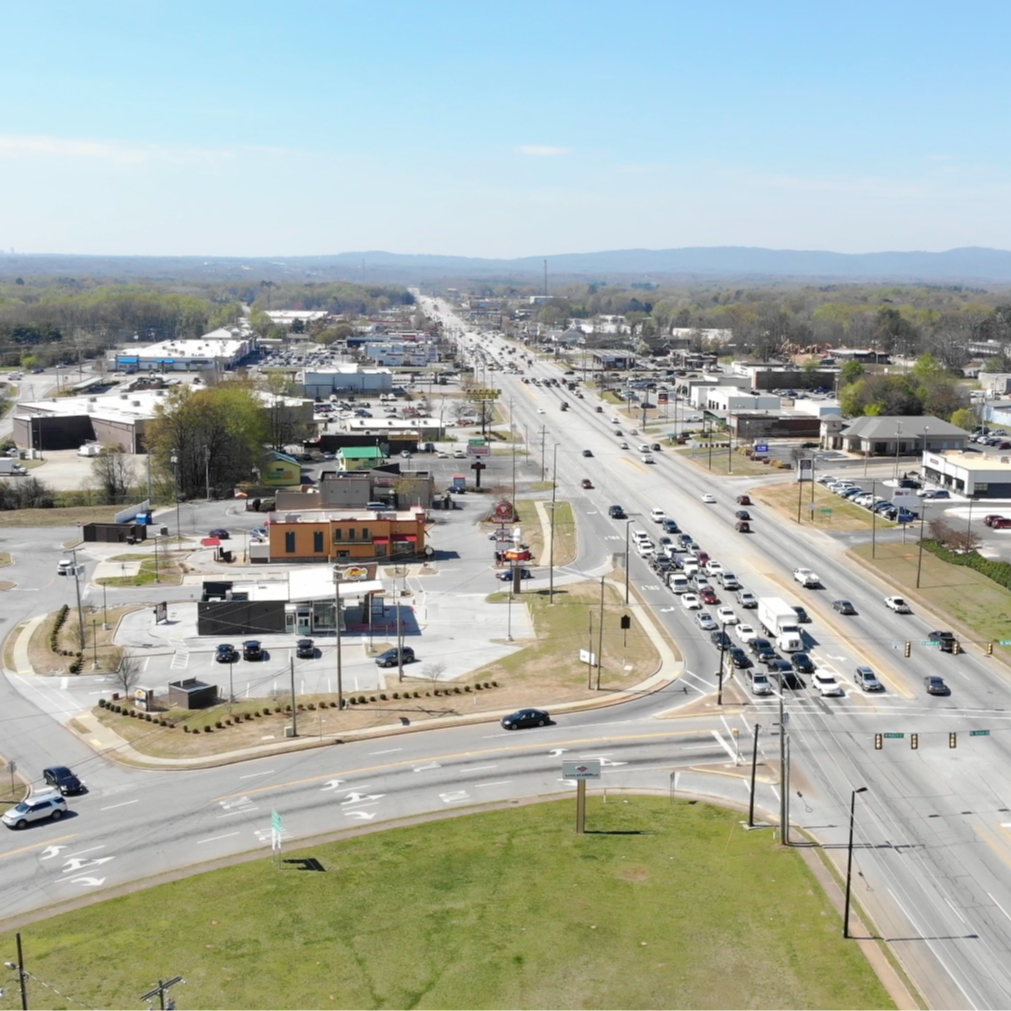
x=657, y=906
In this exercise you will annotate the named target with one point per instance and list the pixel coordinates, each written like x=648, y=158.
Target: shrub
x=361, y=699
x=479, y=686
x=195, y=730
x=287, y=708
x=312, y=706
x=457, y=690
x=352, y=700
x=467, y=688
x=372, y=698
x=219, y=725
x=382, y=696
x=147, y=716
x=249, y=716
x=207, y=729
x=186, y=729
x=436, y=692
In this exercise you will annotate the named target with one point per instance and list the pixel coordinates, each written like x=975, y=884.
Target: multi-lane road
x=933, y=850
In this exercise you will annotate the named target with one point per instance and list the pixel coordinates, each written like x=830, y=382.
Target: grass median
x=98, y=640
x=659, y=905
x=830, y=512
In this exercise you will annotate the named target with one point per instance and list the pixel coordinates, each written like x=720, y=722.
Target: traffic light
x=914, y=741
x=956, y=647
x=908, y=649
x=879, y=742
x=952, y=740
x=989, y=649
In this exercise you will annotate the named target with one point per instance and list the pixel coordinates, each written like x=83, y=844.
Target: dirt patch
x=64, y=516
x=6, y=584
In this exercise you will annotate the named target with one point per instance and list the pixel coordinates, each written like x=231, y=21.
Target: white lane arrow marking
x=88, y=882
x=364, y=815
x=75, y=864
x=332, y=784
x=51, y=851
x=665, y=610
x=555, y=752
x=357, y=798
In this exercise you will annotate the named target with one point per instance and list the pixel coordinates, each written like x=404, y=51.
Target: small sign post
x=276, y=827
x=581, y=772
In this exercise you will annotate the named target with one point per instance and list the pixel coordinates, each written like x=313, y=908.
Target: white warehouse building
x=346, y=379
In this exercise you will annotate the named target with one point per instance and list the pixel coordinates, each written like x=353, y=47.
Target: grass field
x=657, y=906
x=844, y=515
x=63, y=516
x=967, y=596
x=741, y=466
x=45, y=661
x=163, y=568
x=536, y=534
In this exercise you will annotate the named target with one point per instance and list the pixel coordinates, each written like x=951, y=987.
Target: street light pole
x=849, y=862
x=923, y=517
x=207, y=472
x=628, y=560
x=754, y=767
x=551, y=534
x=175, y=468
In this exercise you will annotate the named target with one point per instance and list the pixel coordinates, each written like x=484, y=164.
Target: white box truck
x=779, y=620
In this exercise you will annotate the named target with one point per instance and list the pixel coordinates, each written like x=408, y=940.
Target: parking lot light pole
x=849, y=862
x=923, y=517
x=175, y=468
x=628, y=523
x=754, y=767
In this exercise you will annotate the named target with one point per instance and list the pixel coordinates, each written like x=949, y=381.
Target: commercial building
x=360, y=457
x=345, y=535
x=971, y=474
x=280, y=470
x=200, y=354
x=345, y=379
x=356, y=489
x=730, y=400
x=897, y=436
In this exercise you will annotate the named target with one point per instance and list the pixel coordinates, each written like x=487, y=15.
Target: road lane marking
x=126, y=803
x=500, y=782
x=457, y=756
x=215, y=838
x=35, y=846
x=998, y=905
x=80, y=853
x=482, y=768
x=253, y=775
x=388, y=751
x=723, y=744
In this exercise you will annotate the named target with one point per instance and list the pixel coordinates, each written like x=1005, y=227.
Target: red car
x=1001, y=523
x=743, y=527
x=702, y=557
x=708, y=595
x=743, y=500
x=992, y=518
x=586, y=483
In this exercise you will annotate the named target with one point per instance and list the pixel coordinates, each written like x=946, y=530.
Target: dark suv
x=616, y=512
x=63, y=779
x=305, y=649
x=720, y=639
x=226, y=653
x=252, y=650
x=389, y=658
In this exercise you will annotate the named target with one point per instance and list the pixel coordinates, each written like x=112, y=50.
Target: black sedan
x=802, y=662
x=843, y=607
x=220, y=533
x=60, y=777
x=780, y=668
x=226, y=653
x=802, y=616
x=587, y=452
x=935, y=685
x=507, y=575
x=526, y=718
x=739, y=658
x=743, y=514
x=305, y=649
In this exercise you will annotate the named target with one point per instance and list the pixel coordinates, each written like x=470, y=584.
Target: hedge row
x=999, y=572
x=480, y=686
x=133, y=714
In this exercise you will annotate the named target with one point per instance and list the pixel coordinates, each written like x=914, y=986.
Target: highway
x=933, y=831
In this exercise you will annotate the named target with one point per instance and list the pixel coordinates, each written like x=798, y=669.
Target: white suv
x=38, y=807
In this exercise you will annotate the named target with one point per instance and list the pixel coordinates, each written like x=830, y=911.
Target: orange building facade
x=346, y=535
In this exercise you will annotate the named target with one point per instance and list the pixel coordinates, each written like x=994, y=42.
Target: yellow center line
x=35, y=846
x=425, y=760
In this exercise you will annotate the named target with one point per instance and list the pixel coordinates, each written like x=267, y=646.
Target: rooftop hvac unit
x=91, y=400
x=135, y=403
x=124, y=396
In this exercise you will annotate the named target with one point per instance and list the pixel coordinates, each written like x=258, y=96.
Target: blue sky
x=502, y=129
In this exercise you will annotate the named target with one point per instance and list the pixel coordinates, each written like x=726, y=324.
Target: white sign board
x=581, y=770
x=585, y=656
x=805, y=470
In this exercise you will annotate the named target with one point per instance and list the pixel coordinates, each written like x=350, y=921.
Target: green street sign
x=979, y=733
x=1004, y=642
x=275, y=821
x=890, y=736
x=825, y=512
x=930, y=642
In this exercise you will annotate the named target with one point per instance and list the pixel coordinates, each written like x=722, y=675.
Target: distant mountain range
x=968, y=265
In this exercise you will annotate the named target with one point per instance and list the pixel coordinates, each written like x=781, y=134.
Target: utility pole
x=207, y=471
x=159, y=992
x=400, y=641
x=175, y=467
x=600, y=633
x=231, y=689
x=589, y=650
x=784, y=825
x=294, y=707
x=22, y=975
x=80, y=610
x=754, y=766
x=338, y=613
x=628, y=561
x=551, y=545
x=543, y=459
x=874, y=523
x=723, y=649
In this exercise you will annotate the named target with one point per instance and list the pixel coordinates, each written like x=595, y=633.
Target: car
x=62, y=779
x=690, y=601
x=746, y=599
x=389, y=657
x=843, y=607
x=540, y=410
x=720, y=639
x=935, y=685
x=745, y=632
x=586, y=483
x=825, y=683
x=743, y=514
x=743, y=500
x=655, y=447
x=742, y=527
x=252, y=650
x=726, y=616
x=898, y=605
x=805, y=577
x=259, y=533
x=942, y=494
x=708, y=595
x=944, y=640
x=782, y=671
x=507, y=575
x=866, y=679
x=37, y=807
x=990, y=518
x=708, y=498
x=526, y=718
x=802, y=662
x=220, y=533
x=670, y=526
x=226, y=653
x=739, y=658
x=705, y=621
x=759, y=645
x=656, y=514
x=587, y=452
x=616, y=512
x=803, y=618
x=729, y=581
x=622, y=445
x=305, y=649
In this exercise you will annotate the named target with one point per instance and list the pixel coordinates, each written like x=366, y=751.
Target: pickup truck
x=806, y=577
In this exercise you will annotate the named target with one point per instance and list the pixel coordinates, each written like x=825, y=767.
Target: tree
x=127, y=673
x=876, y=395
x=850, y=372
x=112, y=471
x=964, y=418
x=285, y=426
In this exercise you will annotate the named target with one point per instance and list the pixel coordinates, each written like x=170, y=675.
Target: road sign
x=1004, y=642
x=761, y=447
x=825, y=512
x=930, y=642
x=589, y=769
x=275, y=821
x=979, y=733
x=585, y=656
x=482, y=394
x=894, y=736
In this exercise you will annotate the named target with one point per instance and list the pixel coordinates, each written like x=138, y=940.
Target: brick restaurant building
x=318, y=535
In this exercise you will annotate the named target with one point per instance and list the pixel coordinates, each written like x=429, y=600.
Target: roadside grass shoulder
x=658, y=905
x=845, y=516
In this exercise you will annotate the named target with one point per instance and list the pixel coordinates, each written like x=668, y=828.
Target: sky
x=498, y=129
